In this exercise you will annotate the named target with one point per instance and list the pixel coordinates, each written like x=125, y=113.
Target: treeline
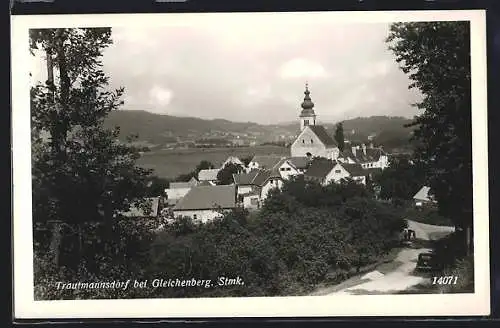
x=305, y=235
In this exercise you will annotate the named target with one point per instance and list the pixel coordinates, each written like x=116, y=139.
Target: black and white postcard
x=250, y=165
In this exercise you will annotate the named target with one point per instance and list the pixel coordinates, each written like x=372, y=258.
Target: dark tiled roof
x=267, y=161
x=372, y=154
x=245, y=178
x=355, y=170
x=262, y=177
x=208, y=197
x=320, y=168
x=321, y=133
x=299, y=162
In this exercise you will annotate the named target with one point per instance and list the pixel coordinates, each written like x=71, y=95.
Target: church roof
x=321, y=133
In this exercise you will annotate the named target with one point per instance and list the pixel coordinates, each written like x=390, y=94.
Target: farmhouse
x=367, y=157
x=206, y=203
x=325, y=171
x=313, y=140
x=293, y=166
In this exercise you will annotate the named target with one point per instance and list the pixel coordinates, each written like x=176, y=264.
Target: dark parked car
x=427, y=262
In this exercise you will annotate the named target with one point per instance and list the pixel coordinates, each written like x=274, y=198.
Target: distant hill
x=155, y=129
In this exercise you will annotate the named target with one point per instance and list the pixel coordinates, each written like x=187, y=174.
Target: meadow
x=170, y=163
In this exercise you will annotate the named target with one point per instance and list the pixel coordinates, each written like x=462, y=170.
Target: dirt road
x=399, y=276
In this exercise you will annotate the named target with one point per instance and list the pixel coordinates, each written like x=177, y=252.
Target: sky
x=256, y=69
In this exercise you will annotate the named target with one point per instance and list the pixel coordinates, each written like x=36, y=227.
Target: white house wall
x=287, y=171
x=276, y=183
x=244, y=189
x=202, y=216
x=339, y=172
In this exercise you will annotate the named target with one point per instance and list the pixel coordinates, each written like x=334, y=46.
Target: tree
x=402, y=179
x=83, y=178
x=225, y=175
x=436, y=56
x=339, y=136
x=246, y=160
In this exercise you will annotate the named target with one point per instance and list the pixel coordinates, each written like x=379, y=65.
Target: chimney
x=363, y=146
x=353, y=149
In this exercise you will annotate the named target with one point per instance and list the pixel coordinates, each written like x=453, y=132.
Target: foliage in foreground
x=291, y=245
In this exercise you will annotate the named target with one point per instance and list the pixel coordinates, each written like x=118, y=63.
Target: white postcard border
x=25, y=307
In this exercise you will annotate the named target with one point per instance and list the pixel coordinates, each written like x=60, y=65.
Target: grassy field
x=171, y=163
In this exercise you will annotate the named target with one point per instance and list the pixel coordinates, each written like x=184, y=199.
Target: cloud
x=302, y=68
x=160, y=96
x=254, y=68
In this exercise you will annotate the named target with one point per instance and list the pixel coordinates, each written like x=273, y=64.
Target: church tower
x=307, y=115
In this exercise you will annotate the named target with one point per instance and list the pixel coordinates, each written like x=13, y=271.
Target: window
x=303, y=141
x=282, y=169
x=271, y=181
x=254, y=201
x=337, y=171
x=195, y=217
x=311, y=141
x=288, y=169
x=306, y=122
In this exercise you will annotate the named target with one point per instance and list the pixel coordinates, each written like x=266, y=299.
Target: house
x=423, y=198
x=206, y=203
x=177, y=190
x=268, y=180
x=146, y=208
x=208, y=175
x=245, y=181
x=264, y=162
x=313, y=140
x=293, y=166
x=319, y=170
x=233, y=160
x=344, y=171
x=325, y=171
x=368, y=157
x=260, y=182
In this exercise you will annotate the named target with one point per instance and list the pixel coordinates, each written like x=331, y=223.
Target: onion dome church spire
x=307, y=115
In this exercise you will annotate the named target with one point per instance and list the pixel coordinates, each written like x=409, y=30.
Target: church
x=313, y=139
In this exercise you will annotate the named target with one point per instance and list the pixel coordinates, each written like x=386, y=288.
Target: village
x=314, y=155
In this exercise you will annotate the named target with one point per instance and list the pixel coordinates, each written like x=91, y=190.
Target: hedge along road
x=396, y=276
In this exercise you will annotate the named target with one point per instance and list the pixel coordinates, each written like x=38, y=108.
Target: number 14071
x=445, y=280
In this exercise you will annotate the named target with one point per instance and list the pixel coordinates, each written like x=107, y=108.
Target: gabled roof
x=372, y=154
x=151, y=207
x=322, y=135
x=245, y=178
x=423, y=194
x=320, y=168
x=267, y=161
x=177, y=185
x=208, y=197
x=355, y=170
x=208, y=175
x=233, y=159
